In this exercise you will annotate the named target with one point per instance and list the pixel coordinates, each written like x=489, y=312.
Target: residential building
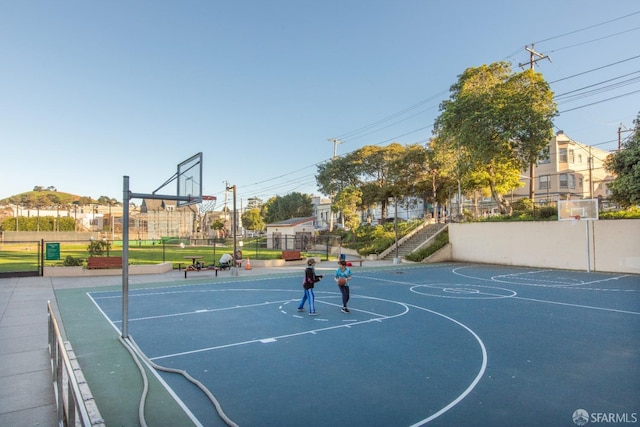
x=572, y=171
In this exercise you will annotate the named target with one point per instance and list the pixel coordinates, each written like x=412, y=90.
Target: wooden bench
x=291, y=255
x=353, y=261
x=104, y=262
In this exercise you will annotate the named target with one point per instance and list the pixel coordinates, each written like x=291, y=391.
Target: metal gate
x=21, y=259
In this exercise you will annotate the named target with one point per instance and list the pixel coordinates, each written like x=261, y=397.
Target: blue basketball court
x=441, y=344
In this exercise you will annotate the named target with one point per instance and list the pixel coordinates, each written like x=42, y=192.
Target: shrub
x=630, y=213
x=98, y=247
x=441, y=240
x=70, y=261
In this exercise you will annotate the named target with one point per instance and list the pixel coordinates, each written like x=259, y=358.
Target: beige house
x=572, y=171
x=291, y=234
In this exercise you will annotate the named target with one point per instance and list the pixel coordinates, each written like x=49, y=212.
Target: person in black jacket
x=310, y=279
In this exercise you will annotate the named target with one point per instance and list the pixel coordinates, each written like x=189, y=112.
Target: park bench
x=210, y=268
x=291, y=255
x=104, y=262
x=353, y=261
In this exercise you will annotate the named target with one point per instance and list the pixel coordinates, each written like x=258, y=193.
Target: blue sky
x=91, y=91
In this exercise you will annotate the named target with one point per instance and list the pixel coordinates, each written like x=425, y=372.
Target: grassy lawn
x=24, y=256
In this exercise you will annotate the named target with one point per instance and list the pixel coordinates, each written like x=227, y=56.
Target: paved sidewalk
x=26, y=390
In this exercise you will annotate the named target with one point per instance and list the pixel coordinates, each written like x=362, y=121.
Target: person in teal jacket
x=342, y=278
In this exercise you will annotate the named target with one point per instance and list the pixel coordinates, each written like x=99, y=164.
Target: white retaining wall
x=614, y=245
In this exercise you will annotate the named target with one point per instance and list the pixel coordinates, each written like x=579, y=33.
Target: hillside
x=47, y=198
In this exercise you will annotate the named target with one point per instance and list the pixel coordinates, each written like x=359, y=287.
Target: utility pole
x=533, y=58
x=620, y=130
x=234, y=269
x=336, y=142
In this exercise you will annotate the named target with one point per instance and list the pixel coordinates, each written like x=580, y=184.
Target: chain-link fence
x=29, y=257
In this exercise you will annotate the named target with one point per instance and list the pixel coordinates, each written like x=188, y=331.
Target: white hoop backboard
x=190, y=180
x=571, y=210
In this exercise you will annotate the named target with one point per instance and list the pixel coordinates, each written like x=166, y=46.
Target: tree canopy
x=292, y=205
x=499, y=123
x=625, y=188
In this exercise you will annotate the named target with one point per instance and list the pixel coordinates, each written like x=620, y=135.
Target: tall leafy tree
x=252, y=219
x=377, y=174
x=625, y=188
x=446, y=164
x=502, y=121
x=292, y=205
x=347, y=201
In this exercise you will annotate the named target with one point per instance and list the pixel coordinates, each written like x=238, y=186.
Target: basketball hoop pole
x=586, y=228
x=126, y=195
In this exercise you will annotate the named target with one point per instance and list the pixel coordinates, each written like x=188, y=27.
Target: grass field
x=24, y=256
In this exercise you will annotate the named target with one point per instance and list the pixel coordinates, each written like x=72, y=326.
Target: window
x=563, y=180
x=572, y=181
x=580, y=182
x=543, y=161
x=579, y=158
x=544, y=182
x=572, y=156
x=563, y=155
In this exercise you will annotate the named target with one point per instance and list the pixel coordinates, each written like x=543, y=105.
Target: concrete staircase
x=413, y=242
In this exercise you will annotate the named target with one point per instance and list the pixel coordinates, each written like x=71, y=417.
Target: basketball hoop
x=576, y=217
x=208, y=204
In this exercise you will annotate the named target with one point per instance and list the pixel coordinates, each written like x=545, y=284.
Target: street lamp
x=234, y=270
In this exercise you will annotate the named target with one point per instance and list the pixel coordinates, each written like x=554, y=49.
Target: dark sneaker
x=345, y=310
x=313, y=314
x=301, y=309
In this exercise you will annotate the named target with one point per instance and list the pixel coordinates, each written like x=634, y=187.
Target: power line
x=595, y=69
x=572, y=95
x=589, y=27
x=596, y=40
x=601, y=101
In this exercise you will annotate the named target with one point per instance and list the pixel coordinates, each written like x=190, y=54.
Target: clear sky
x=91, y=91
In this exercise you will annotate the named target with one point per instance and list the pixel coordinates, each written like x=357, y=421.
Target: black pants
x=345, y=295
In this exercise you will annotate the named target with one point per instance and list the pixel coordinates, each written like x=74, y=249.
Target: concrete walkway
x=26, y=390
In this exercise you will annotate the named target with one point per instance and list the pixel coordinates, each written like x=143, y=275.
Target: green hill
x=47, y=198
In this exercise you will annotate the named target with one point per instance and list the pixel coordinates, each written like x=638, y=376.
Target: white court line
x=577, y=305
x=208, y=310
x=476, y=380
x=279, y=337
x=443, y=410
x=561, y=285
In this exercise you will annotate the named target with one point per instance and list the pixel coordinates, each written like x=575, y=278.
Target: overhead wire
x=587, y=28
x=390, y=120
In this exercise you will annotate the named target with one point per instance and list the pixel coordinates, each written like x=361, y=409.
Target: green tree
x=377, y=174
x=500, y=122
x=625, y=164
x=252, y=220
x=292, y=205
x=347, y=201
x=337, y=174
x=218, y=226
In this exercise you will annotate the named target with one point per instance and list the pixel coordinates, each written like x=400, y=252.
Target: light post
x=234, y=270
